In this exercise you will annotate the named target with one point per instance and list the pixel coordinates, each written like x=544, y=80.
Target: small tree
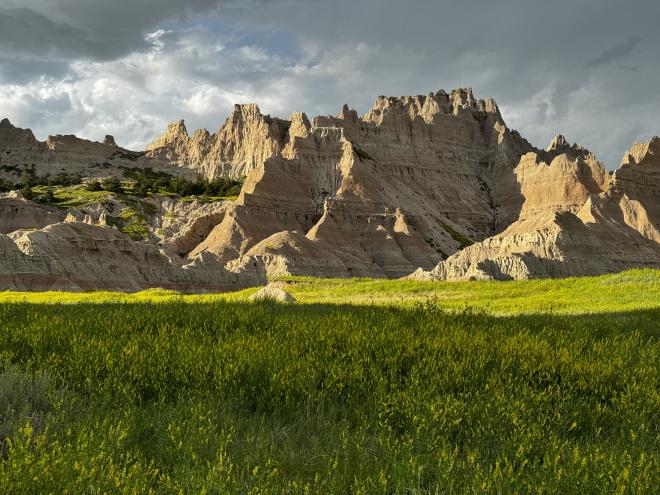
x=48, y=196
x=140, y=189
x=94, y=186
x=112, y=184
x=28, y=178
x=26, y=192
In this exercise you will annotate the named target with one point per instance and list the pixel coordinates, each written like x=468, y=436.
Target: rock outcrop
x=17, y=213
x=604, y=225
x=434, y=185
x=273, y=294
x=79, y=256
x=21, y=152
x=245, y=140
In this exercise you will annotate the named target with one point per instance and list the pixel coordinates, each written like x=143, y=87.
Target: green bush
x=112, y=184
x=23, y=397
x=26, y=192
x=93, y=186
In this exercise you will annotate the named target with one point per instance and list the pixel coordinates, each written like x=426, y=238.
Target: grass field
x=362, y=387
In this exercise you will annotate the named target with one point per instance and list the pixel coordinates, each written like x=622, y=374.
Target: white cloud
x=313, y=56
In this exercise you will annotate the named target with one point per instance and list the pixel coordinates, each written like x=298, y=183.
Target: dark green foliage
x=142, y=183
x=62, y=179
x=457, y=236
x=112, y=184
x=26, y=192
x=362, y=155
x=149, y=181
x=262, y=398
x=48, y=196
x=10, y=168
x=93, y=186
x=28, y=179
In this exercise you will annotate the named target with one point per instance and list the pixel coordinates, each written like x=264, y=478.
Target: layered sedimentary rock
x=602, y=225
x=21, y=152
x=18, y=213
x=400, y=188
x=431, y=185
x=245, y=140
x=78, y=256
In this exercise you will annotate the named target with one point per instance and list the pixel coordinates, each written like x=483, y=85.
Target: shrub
x=48, y=196
x=22, y=397
x=93, y=186
x=27, y=193
x=112, y=184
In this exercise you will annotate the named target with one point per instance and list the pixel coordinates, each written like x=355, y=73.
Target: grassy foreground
x=631, y=290
x=213, y=394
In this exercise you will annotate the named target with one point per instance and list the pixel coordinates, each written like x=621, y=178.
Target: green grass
x=159, y=392
x=74, y=196
x=132, y=221
x=631, y=290
x=457, y=236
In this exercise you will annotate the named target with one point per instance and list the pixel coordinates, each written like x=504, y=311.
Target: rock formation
x=273, y=294
x=20, y=151
x=245, y=140
x=605, y=225
x=434, y=185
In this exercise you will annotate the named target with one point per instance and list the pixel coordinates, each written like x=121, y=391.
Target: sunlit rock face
x=430, y=186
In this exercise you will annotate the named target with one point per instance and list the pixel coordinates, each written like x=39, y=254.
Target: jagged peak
x=109, y=140
x=456, y=102
x=241, y=109
x=348, y=114
x=201, y=135
x=558, y=143
x=300, y=125
x=639, y=151
x=5, y=123
x=177, y=127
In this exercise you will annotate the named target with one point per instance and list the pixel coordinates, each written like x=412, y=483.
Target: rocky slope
x=591, y=233
x=21, y=152
x=431, y=185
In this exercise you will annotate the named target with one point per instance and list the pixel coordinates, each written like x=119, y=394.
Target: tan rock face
x=593, y=225
x=17, y=213
x=431, y=185
x=245, y=140
x=21, y=151
x=78, y=256
x=398, y=189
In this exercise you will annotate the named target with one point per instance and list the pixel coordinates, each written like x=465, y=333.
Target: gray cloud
x=552, y=66
x=617, y=51
x=58, y=31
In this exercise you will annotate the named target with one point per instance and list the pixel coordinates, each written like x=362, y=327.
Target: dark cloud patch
x=617, y=51
x=59, y=31
x=588, y=69
x=21, y=71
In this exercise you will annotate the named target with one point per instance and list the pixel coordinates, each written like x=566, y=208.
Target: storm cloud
x=588, y=69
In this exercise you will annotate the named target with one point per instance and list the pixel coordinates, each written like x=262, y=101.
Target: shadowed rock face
x=591, y=232
x=20, y=151
x=432, y=185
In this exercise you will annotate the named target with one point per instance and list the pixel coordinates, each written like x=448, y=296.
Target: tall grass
x=234, y=397
x=627, y=291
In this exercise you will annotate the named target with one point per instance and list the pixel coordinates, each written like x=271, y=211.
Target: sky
x=589, y=69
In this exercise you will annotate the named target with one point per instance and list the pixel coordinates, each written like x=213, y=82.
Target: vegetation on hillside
x=139, y=182
x=203, y=395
